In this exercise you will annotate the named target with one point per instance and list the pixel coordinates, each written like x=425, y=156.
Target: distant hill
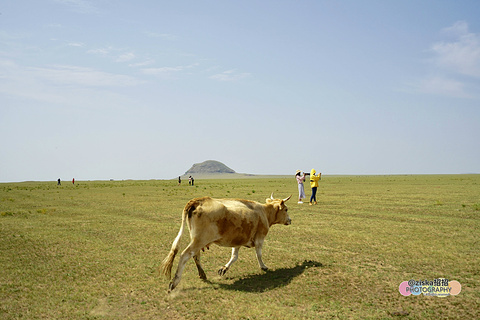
x=212, y=169
x=209, y=167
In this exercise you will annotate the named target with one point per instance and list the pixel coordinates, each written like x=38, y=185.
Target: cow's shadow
x=270, y=279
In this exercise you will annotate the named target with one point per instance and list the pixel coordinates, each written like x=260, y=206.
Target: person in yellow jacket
x=314, y=185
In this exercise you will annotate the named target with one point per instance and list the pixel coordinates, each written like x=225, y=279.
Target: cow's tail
x=167, y=263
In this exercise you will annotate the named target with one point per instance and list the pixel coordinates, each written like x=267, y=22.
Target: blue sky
x=144, y=89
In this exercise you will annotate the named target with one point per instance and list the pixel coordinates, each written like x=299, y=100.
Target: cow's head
x=281, y=210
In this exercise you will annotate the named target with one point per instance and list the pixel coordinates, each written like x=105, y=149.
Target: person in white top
x=300, y=176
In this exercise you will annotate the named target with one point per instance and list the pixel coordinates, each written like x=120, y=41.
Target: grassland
x=92, y=250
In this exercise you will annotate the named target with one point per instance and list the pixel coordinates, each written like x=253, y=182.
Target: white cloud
x=456, y=64
x=50, y=84
x=167, y=70
x=76, y=44
x=114, y=54
x=462, y=54
x=72, y=75
x=459, y=28
x=163, y=70
x=229, y=75
x=165, y=36
x=54, y=25
x=126, y=57
x=439, y=85
x=100, y=51
x=142, y=64
x=80, y=6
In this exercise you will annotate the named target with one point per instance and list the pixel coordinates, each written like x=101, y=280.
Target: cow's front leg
x=258, y=250
x=201, y=273
x=234, y=258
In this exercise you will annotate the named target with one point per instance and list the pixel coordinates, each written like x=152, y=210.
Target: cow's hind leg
x=201, y=273
x=189, y=252
x=234, y=258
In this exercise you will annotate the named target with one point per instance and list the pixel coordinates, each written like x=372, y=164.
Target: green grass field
x=92, y=250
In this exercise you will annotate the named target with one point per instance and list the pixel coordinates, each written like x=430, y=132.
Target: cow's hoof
x=202, y=275
x=171, y=286
x=265, y=268
x=222, y=271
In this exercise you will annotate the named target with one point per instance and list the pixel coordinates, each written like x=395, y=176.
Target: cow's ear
x=268, y=200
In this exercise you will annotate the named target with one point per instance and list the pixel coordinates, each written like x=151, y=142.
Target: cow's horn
x=285, y=200
x=271, y=197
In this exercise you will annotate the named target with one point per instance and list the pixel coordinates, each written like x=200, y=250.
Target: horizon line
x=213, y=176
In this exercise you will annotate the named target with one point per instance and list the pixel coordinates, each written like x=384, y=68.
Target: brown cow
x=228, y=223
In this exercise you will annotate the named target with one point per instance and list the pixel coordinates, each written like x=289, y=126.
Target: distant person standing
x=58, y=182
x=300, y=177
x=73, y=181
x=190, y=180
x=179, y=180
x=314, y=185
